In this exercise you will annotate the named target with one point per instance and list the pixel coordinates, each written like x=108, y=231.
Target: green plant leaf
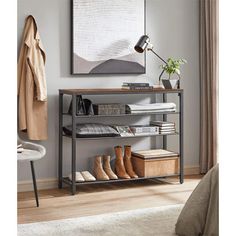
x=173, y=66
x=177, y=71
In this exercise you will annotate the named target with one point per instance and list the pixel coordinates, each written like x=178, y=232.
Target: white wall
x=173, y=28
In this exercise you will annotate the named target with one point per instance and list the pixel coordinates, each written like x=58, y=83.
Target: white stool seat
x=30, y=152
x=29, y=155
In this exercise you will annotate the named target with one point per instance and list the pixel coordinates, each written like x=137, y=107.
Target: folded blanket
x=91, y=130
x=152, y=106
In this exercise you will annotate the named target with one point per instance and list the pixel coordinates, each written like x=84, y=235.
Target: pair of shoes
x=123, y=166
x=102, y=168
x=82, y=176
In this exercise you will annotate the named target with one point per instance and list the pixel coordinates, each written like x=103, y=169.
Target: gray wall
x=173, y=28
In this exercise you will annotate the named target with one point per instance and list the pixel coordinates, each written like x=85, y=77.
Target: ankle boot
x=119, y=164
x=99, y=173
x=128, y=163
x=107, y=167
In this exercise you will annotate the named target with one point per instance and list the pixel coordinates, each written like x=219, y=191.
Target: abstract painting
x=104, y=33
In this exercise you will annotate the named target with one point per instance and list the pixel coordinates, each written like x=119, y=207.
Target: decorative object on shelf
x=119, y=164
x=128, y=163
x=100, y=42
x=107, y=167
x=109, y=109
x=78, y=177
x=99, y=173
x=87, y=176
x=158, y=162
x=143, y=44
x=172, y=67
x=83, y=106
x=136, y=86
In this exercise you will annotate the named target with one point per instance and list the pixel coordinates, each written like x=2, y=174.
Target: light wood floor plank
x=99, y=199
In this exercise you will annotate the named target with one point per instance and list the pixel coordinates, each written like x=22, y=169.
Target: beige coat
x=32, y=88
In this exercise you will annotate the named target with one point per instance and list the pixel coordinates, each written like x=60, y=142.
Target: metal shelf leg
x=181, y=141
x=164, y=119
x=73, y=159
x=60, y=161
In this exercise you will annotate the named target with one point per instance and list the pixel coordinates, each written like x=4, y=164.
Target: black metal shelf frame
x=73, y=93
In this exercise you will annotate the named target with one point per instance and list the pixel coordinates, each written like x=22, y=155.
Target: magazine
x=124, y=130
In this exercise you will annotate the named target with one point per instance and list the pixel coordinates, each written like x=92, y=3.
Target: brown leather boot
x=119, y=164
x=107, y=167
x=99, y=173
x=128, y=163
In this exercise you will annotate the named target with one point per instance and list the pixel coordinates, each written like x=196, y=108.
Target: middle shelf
x=127, y=114
x=120, y=137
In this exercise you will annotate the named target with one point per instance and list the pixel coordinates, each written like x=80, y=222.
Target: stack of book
x=165, y=127
x=136, y=86
x=144, y=130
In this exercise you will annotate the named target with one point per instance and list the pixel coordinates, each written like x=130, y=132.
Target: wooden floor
x=99, y=199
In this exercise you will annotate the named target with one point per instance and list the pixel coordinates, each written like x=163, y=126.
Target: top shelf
x=101, y=91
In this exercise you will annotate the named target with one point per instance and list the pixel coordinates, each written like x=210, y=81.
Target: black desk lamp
x=143, y=44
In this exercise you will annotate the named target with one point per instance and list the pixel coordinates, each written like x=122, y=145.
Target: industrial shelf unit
x=74, y=92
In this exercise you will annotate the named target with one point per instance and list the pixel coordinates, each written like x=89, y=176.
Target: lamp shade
x=142, y=44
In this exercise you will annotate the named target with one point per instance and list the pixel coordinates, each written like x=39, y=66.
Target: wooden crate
x=155, y=167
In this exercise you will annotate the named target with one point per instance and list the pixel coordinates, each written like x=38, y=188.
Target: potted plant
x=172, y=67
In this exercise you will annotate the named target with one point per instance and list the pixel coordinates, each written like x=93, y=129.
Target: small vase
x=170, y=83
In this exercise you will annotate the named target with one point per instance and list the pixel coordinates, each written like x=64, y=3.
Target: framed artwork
x=104, y=33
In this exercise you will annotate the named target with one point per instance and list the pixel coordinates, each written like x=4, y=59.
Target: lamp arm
x=161, y=75
x=161, y=60
x=157, y=55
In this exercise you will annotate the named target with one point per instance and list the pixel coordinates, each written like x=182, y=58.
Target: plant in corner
x=172, y=67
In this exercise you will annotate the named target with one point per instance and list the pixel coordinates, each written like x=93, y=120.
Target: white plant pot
x=170, y=83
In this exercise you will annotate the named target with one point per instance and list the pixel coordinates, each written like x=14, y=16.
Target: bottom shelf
x=66, y=180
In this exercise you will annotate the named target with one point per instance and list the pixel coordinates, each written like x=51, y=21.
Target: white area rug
x=158, y=221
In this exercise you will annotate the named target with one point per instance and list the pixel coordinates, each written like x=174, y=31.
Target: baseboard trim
x=25, y=186
x=192, y=170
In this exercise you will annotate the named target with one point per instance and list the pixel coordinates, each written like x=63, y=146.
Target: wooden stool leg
x=34, y=182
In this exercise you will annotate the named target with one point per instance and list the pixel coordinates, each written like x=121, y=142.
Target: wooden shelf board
x=101, y=91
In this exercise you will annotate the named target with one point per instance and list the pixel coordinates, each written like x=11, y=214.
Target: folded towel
x=152, y=106
x=151, y=111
